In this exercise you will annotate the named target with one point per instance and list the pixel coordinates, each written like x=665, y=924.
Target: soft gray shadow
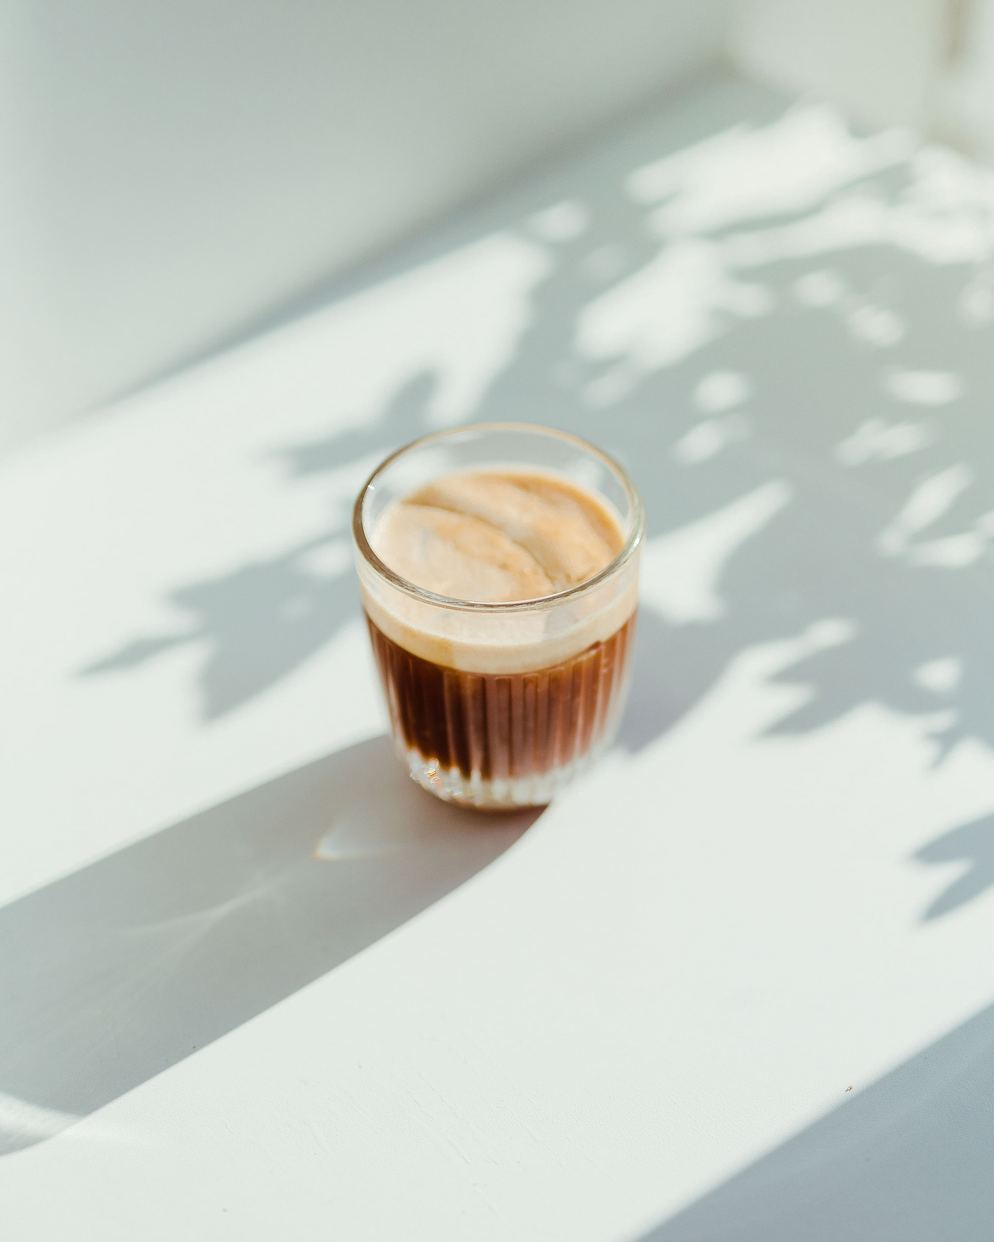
x=261, y=620
x=673, y=667
x=848, y=369
x=256, y=624
x=118, y=971
x=971, y=845
x=908, y=1159
x=403, y=417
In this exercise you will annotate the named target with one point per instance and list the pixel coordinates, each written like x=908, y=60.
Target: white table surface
x=737, y=983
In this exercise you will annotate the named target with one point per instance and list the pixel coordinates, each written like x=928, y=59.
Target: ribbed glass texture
x=501, y=740
x=499, y=704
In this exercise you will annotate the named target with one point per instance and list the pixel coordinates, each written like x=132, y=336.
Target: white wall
x=880, y=60
x=173, y=171
x=965, y=103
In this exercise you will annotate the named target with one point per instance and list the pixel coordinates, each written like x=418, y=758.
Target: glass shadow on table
x=123, y=968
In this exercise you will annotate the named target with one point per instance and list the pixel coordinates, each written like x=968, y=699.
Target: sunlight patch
x=722, y=390
x=923, y=387
x=955, y=552
x=562, y=222
x=684, y=568
x=668, y=309
x=750, y=173
x=930, y=500
x=707, y=439
x=875, y=440
x=976, y=302
x=940, y=676
x=819, y=288
x=830, y=632
x=876, y=325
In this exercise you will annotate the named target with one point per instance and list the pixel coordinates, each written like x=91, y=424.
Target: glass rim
x=625, y=553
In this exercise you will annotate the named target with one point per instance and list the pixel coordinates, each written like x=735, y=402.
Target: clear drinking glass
x=499, y=705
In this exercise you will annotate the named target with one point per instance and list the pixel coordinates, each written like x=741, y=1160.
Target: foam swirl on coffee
x=498, y=536
x=489, y=536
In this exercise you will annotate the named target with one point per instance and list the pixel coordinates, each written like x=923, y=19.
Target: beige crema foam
x=499, y=536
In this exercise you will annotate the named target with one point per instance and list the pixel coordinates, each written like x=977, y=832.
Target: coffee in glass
x=498, y=566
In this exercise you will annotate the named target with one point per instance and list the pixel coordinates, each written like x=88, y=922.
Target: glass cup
x=499, y=705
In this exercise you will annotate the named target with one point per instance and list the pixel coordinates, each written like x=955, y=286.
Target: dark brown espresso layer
x=504, y=725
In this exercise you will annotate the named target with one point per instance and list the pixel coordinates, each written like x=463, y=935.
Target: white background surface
x=175, y=173
x=736, y=983
x=882, y=62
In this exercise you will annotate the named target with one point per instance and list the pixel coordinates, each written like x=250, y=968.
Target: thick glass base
x=499, y=793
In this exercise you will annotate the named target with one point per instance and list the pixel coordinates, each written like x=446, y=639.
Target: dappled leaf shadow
x=972, y=846
x=267, y=616
x=776, y=303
